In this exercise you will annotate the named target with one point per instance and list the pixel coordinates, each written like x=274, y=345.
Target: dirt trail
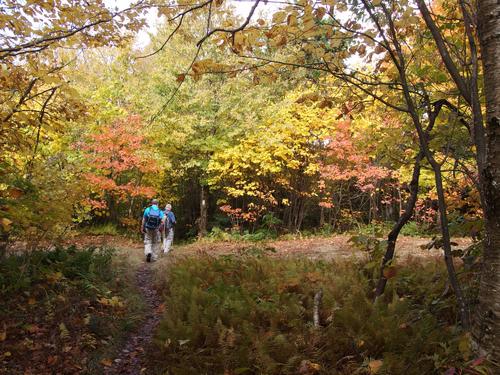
x=130, y=360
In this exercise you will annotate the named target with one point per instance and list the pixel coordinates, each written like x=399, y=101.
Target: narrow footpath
x=130, y=360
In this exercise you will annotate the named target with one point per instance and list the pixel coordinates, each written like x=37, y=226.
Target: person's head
x=154, y=202
x=168, y=207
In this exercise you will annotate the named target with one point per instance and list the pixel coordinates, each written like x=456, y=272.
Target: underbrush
x=103, y=229
x=252, y=314
x=65, y=310
x=217, y=234
x=378, y=229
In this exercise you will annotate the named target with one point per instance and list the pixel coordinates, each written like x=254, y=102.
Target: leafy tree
x=118, y=158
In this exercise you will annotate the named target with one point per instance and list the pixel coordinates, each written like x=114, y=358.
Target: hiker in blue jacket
x=168, y=225
x=151, y=227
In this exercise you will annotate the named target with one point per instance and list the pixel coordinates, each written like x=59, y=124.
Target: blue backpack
x=153, y=219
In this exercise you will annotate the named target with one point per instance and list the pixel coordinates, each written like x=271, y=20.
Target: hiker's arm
x=162, y=225
x=142, y=225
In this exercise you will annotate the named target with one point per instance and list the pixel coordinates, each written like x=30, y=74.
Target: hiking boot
x=148, y=258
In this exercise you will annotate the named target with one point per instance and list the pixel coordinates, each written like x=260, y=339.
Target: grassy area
x=252, y=314
x=65, y=311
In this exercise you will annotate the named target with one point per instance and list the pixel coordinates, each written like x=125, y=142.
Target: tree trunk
x=321, y=217
x=403, y=219
x=486, y=327
x=202, y=223
x=301, y=213
x=448, y=258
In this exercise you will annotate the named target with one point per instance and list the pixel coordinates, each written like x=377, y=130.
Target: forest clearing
x=249, y=187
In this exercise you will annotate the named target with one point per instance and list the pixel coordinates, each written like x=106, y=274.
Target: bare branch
x=231, y=31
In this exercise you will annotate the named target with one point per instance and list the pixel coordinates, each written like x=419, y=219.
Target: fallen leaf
x=308, y=368
x=31, y=301
x=5, y=223
x=31, y=328
x=161, y=308
x=477, y=361
x=375, y=366
x=389, y=272
x=52, y=359
x=3, y=333
x=15, y=193
x=107, y=362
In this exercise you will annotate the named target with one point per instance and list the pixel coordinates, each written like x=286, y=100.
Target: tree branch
x=231, y=31
x=443, y=51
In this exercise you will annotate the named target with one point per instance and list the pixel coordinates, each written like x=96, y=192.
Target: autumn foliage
x=118, y=159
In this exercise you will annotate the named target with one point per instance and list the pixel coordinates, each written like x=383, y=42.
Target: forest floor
x=130, y=359
x=333, y=247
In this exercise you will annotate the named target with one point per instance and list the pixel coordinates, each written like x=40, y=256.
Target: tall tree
x=487, y=320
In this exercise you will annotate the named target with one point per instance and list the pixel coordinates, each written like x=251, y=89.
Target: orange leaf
x=52, y=359
x=15, y=193
x=106, y=362
x=181, y=77
x=31, y=328
x=390, y=272
x=375, y=366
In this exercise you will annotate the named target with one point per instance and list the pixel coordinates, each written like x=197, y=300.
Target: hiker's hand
x=142, y=230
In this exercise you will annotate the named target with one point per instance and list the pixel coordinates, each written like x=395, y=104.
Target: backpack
x=153, y=219
x=169, y=223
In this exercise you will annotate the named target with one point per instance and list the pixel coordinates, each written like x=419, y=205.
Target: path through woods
x=131, y=359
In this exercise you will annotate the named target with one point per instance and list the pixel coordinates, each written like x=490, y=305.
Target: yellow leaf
x=315, y=366
x=375, y=366
x=376, y=2
x=464, y=346
x=5, y=223
x=279, y=17
x=54, y=277
x=63, y=331
x=320, y=13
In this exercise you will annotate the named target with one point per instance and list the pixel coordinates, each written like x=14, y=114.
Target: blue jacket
x=154, y=207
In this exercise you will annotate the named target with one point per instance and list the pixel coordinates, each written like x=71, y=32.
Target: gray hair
x=154, y=201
